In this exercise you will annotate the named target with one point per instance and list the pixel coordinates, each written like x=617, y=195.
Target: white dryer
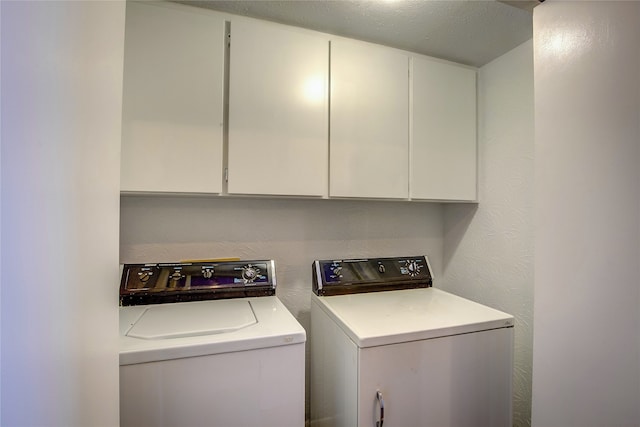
x=389, y=349
x=208, y=344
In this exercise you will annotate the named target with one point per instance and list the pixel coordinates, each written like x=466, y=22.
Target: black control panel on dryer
x=335, y=277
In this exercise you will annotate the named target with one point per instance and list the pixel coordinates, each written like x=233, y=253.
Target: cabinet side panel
x=334, y=379
x=278, y=110
x=443, y=160
x=369, y=121
x=172, y=100
x=462, y=380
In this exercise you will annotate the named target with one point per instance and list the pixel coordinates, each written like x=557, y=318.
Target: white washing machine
x=208, y=344
x=389, y=349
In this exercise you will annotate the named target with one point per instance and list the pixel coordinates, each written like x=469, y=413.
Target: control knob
x=335, y=269
x=144, y=276
x=412, y=268
x=250, y=273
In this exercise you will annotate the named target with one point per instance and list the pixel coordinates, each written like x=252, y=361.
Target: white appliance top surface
x=169, y=331
x=162, y=321
x=382, y=318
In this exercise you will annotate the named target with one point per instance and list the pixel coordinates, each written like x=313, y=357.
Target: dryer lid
x=382, y=318
x=165, y=321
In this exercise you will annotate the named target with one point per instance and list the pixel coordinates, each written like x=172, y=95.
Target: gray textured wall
x=488, y=249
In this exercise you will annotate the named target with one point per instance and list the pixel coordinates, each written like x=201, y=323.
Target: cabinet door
x=456, y=381
x=172, y=100
x=278, y=110
x=369, y=136
x=443, y=152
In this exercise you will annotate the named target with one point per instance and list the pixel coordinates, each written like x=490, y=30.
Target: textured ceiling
x=469, y=32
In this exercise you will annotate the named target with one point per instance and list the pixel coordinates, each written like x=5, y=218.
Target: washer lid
x=165, y=321
x=205, y=328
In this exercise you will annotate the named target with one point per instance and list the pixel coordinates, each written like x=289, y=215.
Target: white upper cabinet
x=444, y=149
x=172, y=125
x=306, y=117
x=278, y=110
x=369, y=125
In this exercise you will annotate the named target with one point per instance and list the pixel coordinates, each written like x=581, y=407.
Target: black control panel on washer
x=193, y=281
x=335, y=277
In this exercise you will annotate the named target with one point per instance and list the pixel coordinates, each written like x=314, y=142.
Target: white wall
x=0, y=215
x=293, y=232
x=61, y=114
x=488, y=248
x=586, y=366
